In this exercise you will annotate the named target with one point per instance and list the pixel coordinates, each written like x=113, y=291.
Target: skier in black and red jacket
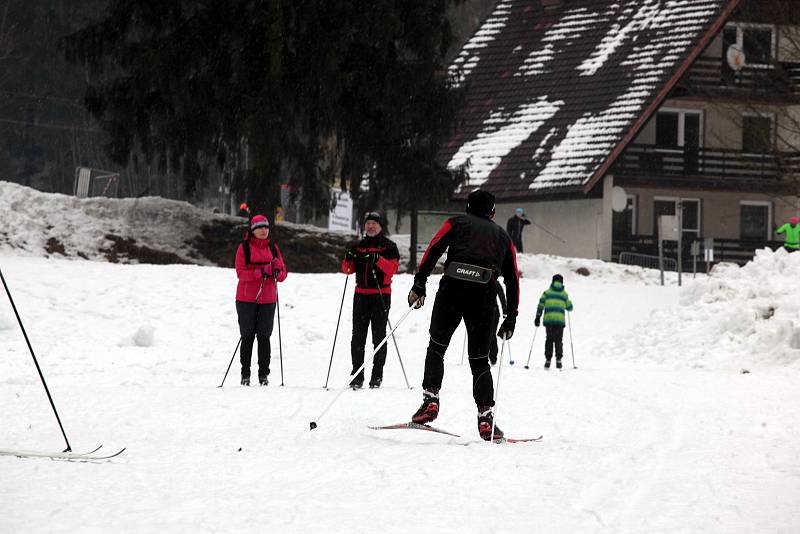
x=478, y=252
x=373, y=260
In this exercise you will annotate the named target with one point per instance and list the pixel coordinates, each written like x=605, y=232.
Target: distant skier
x=501, y=296
x=516, y=225
x=244, y=210
x=553, y=303
x=478, y=251
x=259, y=266
x=374, y=260
x=792, y=230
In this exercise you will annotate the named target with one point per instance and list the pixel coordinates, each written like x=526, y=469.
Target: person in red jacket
x=373, y=260
x=259, y=266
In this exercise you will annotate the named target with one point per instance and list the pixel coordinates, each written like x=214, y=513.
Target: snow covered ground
x=657, y=431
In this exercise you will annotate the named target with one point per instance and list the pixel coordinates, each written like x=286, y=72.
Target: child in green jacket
x=554, y=302
x=792, y=231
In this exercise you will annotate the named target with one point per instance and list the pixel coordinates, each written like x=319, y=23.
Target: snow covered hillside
x=144, y=230
x=657, y=431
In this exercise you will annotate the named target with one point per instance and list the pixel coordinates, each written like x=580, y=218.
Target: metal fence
x=646, y=261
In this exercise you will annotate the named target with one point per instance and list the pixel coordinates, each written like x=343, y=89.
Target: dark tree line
x=310, y=92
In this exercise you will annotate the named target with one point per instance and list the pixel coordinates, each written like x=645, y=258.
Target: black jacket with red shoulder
x=477, y=241
x=373, y=260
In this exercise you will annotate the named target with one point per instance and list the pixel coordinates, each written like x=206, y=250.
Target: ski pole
x=510, y=357
x=571, y=348
x=313, y=424
x=36, y=362
x=336, y=333
x=497, y=389
x=260, y=289
x=535, y=329
x=280, y=342
x=464, y=345
x=231, y=363
x=394, y=340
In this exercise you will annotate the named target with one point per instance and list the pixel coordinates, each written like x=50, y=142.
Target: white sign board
x=708, y=249
x=668, y=227
x=340, y=218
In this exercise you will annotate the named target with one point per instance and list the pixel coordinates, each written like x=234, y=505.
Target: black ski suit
x=514, y=227
x=373, y=260
x=472, y=240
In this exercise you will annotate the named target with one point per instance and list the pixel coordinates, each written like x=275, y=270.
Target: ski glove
x=416, y=297
x=538, y=320
x=265, y=274
x=507, y=328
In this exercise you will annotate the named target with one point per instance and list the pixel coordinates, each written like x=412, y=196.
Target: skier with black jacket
x=374, y=260
x=478, y=252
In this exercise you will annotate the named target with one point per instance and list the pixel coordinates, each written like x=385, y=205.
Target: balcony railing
x=648, y=161
x=738, y=251
x=713, y=76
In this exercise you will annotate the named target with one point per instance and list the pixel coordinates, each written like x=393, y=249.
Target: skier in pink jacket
x=259, y=266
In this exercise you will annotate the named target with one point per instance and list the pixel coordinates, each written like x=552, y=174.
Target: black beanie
x=480, y=203
x=374, y=216
x=558, y=278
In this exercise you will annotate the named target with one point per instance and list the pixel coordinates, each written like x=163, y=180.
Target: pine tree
x=309, y=91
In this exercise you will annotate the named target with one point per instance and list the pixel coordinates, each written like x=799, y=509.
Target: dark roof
x=554, y=93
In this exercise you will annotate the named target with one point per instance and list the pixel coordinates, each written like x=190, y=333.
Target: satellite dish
x=736, y=58
x=619, y=199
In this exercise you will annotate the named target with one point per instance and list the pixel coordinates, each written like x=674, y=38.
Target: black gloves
x=416, y=297
x=507, y=328
x=538, y=320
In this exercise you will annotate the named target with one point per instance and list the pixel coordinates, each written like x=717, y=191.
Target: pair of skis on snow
x=428, y=428
x=66, y=455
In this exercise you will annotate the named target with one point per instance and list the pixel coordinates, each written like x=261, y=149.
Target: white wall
x=572, y=228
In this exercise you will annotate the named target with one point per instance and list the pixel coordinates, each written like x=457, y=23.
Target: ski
x=61, y=455
x=414, y=426
x=519, y=440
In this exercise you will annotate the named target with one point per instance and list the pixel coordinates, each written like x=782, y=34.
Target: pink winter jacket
x=250, y=274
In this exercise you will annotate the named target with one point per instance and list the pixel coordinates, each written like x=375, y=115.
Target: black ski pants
x=555, y=336
x=255, y=320
x=472, y=302
x=369, y=310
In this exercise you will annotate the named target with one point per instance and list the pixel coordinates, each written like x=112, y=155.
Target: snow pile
x=544, y=266
x=737, y=317
x=145, y=230
x=46, y=223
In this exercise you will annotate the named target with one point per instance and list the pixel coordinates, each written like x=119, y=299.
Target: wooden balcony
x=780, y=82
x=650, y=161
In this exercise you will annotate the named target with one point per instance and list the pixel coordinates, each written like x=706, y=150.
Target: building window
x=754, y=220
x=757, y=134
x=676, y=128
x=756, y=40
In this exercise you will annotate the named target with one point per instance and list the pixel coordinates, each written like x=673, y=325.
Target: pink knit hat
x=794, y=220
x=259, y=221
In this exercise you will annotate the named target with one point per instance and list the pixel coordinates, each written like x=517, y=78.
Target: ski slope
x=657, y=431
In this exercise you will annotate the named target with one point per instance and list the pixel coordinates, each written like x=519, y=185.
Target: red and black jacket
x=477, y=241
x=373, y=260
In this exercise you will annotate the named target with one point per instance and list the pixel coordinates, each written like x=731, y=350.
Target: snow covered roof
x=555, y=90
